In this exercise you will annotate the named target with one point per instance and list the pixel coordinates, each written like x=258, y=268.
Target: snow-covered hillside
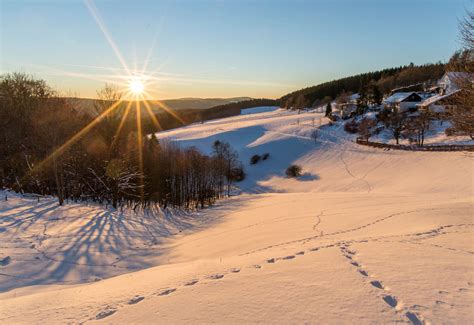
x=364, y=236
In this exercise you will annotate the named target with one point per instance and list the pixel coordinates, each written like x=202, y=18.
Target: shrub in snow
x=293, y=171
x=237, y=174
x=254, y=159
x=265, y=156
x=351, y=127
x=366, y=127
x=450, y=132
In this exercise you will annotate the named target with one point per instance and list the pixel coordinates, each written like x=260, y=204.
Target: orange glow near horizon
x=132, y=88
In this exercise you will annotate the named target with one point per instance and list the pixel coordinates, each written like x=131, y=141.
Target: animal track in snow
x=391, y=301
x=364, y=273
x=136, y=300
x=105, y=313
x=5, y=261
x=289, y=257
x=377, y=284
x=166, y=292
x=191, y=283
x=413, y=318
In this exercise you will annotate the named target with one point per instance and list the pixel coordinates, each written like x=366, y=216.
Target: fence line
x=447, y=147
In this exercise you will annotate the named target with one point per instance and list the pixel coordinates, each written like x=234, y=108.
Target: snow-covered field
x=365, y=236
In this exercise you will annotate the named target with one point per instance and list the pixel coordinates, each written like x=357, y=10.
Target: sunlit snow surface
x=364, y=236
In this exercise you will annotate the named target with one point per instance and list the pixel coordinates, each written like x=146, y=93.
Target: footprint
x=463, y=289
x=355, y=263
x=300, y=253
x=377, y=284
x=271, y=260
x=136, y=300
x=364, y=273
x=289, y=257
x=166, y=292
x=191, y=283
x=5, y=261
x=314, y=249
x=413, y=318
x=216, y=276
x=440, y=302
x=348, y=257
x=391, y=301
x=256, y=266
x=235, y=270
x=105, y=313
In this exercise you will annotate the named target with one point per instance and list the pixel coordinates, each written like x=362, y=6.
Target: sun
x=136, y=87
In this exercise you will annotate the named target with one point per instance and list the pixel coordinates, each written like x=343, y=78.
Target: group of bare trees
x=462, y=62
x=44, y=150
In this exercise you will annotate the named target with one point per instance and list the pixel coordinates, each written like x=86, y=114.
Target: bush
x=293, y=171
x=237, y=174
x=366, y=128
x=265, y=156
x=254, y=159
x=450, y=132
x=351, y=127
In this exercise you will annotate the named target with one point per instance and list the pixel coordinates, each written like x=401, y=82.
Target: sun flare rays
x=133, y=87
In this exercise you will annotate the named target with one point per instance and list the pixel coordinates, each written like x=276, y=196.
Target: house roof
x=353, y=97
x=453, y=75
x=450, y=80
x=436, y=98
x=398, y=97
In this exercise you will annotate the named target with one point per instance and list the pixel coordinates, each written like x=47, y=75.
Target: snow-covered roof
x=398, y=97
x=355, y=96
x=453, y=75
x=449, y=81
x=436, y=98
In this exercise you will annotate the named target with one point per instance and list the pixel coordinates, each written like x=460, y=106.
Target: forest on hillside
x=382, y=81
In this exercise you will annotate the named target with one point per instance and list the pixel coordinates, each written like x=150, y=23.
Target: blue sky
x=223, y=48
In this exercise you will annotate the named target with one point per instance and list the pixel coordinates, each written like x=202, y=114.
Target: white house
x=449, y=82
x=404, y=101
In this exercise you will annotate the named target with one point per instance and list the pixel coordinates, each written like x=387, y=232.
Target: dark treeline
x=236, y=107
x=49, y=147
x=384, y=81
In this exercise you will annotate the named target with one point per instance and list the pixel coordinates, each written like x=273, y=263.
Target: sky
x=220, y=48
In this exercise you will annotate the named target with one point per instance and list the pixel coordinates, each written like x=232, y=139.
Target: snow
x=256, y=110
x=434, y=99
x=364, y=236
x=436, y=135
x=398, y=97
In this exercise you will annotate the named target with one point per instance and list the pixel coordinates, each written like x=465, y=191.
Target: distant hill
x=199, y=103
x=86, y=105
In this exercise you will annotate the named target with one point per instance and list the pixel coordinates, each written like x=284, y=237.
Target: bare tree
x=462, y=62
x=366, y=127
